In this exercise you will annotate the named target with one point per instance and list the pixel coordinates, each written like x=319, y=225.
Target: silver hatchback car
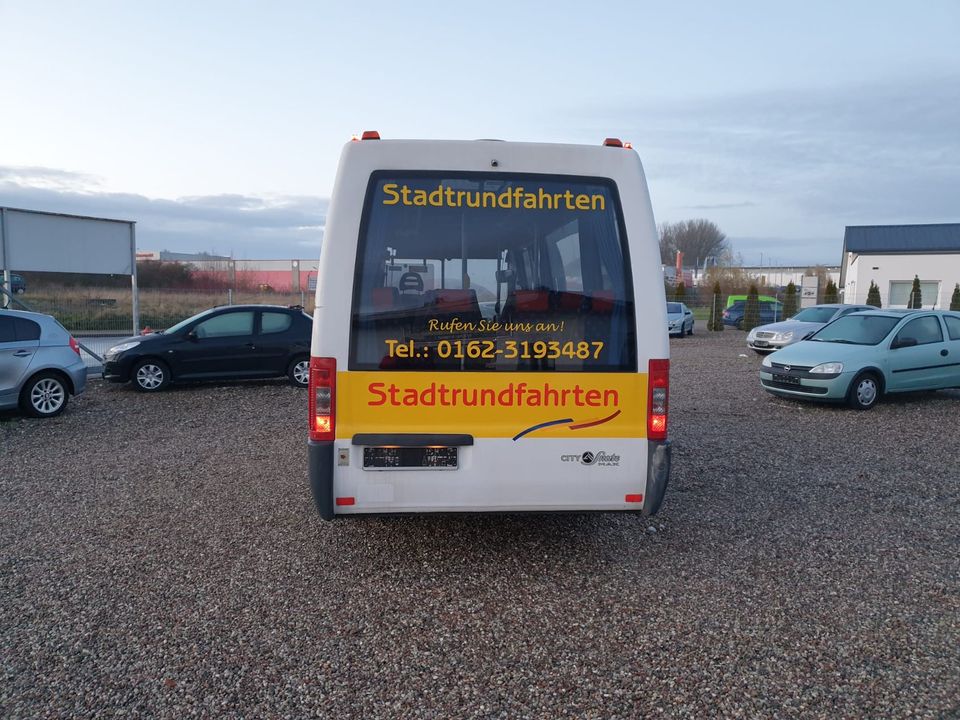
x=40, y=364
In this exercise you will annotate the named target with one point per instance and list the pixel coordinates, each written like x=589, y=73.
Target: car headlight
x=766, y=361
x=752, y=334
x=123, y=347
x=828, y=368
x=784, y=336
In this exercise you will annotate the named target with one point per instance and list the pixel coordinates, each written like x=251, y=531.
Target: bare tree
x=696, y=239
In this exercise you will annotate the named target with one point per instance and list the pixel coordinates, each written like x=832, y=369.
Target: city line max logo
x=604, y=459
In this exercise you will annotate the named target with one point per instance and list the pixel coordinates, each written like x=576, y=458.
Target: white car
x=679, y=319
x=767, y=338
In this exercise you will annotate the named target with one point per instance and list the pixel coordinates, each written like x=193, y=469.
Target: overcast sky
x=217, y=125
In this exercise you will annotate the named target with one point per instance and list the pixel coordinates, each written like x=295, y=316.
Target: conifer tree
x=790, y=301
x=751, y=309
x=873, y=295
x=715, y=323
x=831, y=294
x=916, y=296
x=955, y=299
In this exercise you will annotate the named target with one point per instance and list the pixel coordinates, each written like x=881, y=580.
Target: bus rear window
x=492, y=272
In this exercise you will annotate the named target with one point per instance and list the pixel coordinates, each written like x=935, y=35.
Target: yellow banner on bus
x=493, y=405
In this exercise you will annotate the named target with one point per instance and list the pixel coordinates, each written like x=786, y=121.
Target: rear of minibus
x=490, y=332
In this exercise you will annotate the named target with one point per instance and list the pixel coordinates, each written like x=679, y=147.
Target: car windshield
x=815, y=314
x=183, y=323
x=857, y=330
x=674, y=308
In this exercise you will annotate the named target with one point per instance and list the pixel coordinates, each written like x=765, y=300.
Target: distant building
x=283, y=276
x=892, y=255
x=775, y=276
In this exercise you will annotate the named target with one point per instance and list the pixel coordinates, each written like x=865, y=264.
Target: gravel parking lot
x=162, y=558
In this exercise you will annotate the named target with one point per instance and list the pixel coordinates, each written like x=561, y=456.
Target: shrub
x=790, y=301
x=955, y=299
x=831, y=294
x=916, y=296
x=873, y=295
x=715, y=323
x=751, y=309
x=156, y=274
x=680, y=291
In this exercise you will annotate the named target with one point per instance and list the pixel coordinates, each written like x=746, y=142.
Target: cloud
x=49, y=178
x=812, y=160
x=244, y=226
x=722, y=206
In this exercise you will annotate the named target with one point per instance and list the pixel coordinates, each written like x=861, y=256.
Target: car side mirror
x=192, y=336
x=903, y=342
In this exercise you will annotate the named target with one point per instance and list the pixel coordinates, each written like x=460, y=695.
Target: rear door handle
x=22, y=353
x=251, y=346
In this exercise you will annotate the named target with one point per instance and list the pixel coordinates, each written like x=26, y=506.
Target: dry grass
x=109, y=309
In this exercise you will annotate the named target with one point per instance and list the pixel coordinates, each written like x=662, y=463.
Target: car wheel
x=690, y=331
x=21, y=291
x=150, y=375
x=864, y=391
x=299, y=371
x=45, y=395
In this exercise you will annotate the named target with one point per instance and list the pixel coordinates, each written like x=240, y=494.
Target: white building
x=776, y=275
x=892, y=255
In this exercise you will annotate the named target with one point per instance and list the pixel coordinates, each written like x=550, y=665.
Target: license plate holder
x=411, y=458
x=786, y=379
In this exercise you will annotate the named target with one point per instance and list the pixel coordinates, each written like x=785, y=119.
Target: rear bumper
x=320, y=458
x=78, y=377
x=658, y=475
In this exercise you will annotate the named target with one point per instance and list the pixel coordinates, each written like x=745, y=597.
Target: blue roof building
x=892, y=255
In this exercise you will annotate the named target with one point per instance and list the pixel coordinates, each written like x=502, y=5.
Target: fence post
x=134, y=288
x=229, y=296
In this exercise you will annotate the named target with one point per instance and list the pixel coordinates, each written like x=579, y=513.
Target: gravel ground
x=162, y=558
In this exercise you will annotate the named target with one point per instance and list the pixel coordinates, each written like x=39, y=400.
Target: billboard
x=49, y=242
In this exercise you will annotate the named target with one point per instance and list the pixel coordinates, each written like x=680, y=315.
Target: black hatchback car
x=224, y=343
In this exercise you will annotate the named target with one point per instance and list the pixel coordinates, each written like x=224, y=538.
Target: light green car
x=860, y=357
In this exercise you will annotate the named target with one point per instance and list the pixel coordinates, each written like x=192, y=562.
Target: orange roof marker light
x=370, y=135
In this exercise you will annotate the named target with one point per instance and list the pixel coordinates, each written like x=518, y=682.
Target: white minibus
x=490, y=332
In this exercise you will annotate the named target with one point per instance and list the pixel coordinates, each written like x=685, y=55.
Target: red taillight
x=612, y=142
x=633, y=497
x=322, y=402
x=370, y=135
x=658, y=391
x=74, y=345
x=346, y=501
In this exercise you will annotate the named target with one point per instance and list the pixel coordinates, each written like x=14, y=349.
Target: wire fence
x=701, y=305
x=93, y=311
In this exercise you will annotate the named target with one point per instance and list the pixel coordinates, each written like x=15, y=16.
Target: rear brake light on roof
x=74, y=345
x=612, y=142
x=322, y=399
x=658, y=391
x=370, y=135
